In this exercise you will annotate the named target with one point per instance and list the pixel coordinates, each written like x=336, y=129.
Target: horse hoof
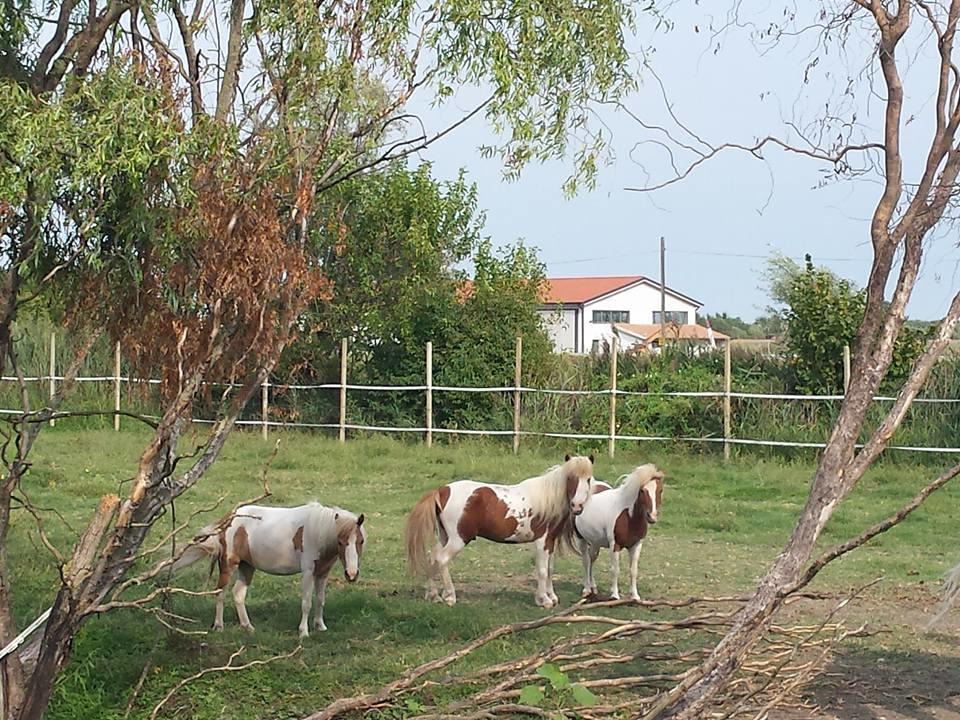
x=320, y=628
x=248, y=628
x=218, y=627
x=635, y=597
x=614, y=596
x=450, y=601
x=304, y=634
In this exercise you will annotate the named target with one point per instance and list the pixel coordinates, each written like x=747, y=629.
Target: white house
x=581, y=313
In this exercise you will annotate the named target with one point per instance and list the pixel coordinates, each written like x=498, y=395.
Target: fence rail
x=518, y=391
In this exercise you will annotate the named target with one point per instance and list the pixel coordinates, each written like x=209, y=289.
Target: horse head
x=650, y=495
x=579, y=474
x=350, y=538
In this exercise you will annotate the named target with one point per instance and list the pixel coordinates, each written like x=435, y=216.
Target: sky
x=722, y=223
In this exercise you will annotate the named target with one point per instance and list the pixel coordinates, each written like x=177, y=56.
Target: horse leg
x=321, y=587
x=588, y=558
x=244, y=578
x=550, y=591
x=444, y=557
x=542, y=597
x=634, y=562
x=615, y=571
x=306, y=600
x=226, y=571
x=433, y=594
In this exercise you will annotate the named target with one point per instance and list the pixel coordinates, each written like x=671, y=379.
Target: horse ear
x=360, y=520
x=566, y=458
x=591, y=458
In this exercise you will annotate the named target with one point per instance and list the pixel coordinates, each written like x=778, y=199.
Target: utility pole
x=663, y=295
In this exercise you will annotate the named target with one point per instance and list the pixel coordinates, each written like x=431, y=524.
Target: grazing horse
x=534, y=510
x=280, y=541
x=616, y=518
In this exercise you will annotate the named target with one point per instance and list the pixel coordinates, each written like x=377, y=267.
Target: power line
x=707, y=253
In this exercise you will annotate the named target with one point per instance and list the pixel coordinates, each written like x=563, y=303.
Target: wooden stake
x=343, y=390
x=429, y=393
x=846, y=368
x=726, y=400
x=516, y=395
x=53, y=371
x=613, y=396
x=116, y=387
x=265, y=408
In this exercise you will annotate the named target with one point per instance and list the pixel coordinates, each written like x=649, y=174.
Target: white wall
x=641, y=301
x=561, y=327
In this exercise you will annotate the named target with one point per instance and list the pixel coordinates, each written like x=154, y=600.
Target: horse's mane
x=328, y=521
x=639, y=478
x=548, y=492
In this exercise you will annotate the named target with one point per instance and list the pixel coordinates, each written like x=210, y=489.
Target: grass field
x=720, y=525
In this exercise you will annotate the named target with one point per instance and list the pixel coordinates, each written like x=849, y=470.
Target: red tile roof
x=582, y=289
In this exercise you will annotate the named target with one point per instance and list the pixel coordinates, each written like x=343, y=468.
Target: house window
x=611, y=316
x=676, y=317
x=595, y=347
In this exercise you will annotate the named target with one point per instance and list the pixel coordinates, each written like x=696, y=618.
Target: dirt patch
x=902, y=672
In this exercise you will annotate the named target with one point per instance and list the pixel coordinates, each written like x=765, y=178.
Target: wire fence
x=271, y=417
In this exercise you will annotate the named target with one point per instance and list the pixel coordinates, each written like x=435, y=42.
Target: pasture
x=719, y=527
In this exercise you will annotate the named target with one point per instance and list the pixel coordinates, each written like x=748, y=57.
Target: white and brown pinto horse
x=617, y=518
x=281, y=541
x=535, y=510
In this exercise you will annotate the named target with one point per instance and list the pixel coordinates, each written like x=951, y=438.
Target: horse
x=280, y=541
x=534, y=510
x=616, y=518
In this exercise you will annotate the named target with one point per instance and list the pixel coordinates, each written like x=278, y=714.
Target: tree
x=822, y=313
x=909, y=207
x=163, y=191
x=391, y=248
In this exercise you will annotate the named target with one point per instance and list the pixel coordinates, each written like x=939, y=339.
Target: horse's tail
x=421, y=532
x=951, y=594
x=206, y=543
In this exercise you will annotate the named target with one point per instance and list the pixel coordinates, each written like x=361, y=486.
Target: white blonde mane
x=325, y=522
x=548, y=492
x=642, y=476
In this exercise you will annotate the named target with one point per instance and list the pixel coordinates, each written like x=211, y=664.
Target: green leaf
x=531, y=695
x=582, y=696
x=552, y=673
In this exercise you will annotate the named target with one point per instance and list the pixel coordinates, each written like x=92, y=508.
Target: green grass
x=720, y=526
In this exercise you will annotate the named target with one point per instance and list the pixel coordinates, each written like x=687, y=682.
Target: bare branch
x=229, y=667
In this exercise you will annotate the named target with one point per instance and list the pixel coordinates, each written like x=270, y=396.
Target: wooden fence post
x=265, y=408
x=613, y=396
x=343, y=390
x=53, y=371
x=116, y=387
x=726, y=400
x=516, y=395
x=846, y=368
x=429, y=393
